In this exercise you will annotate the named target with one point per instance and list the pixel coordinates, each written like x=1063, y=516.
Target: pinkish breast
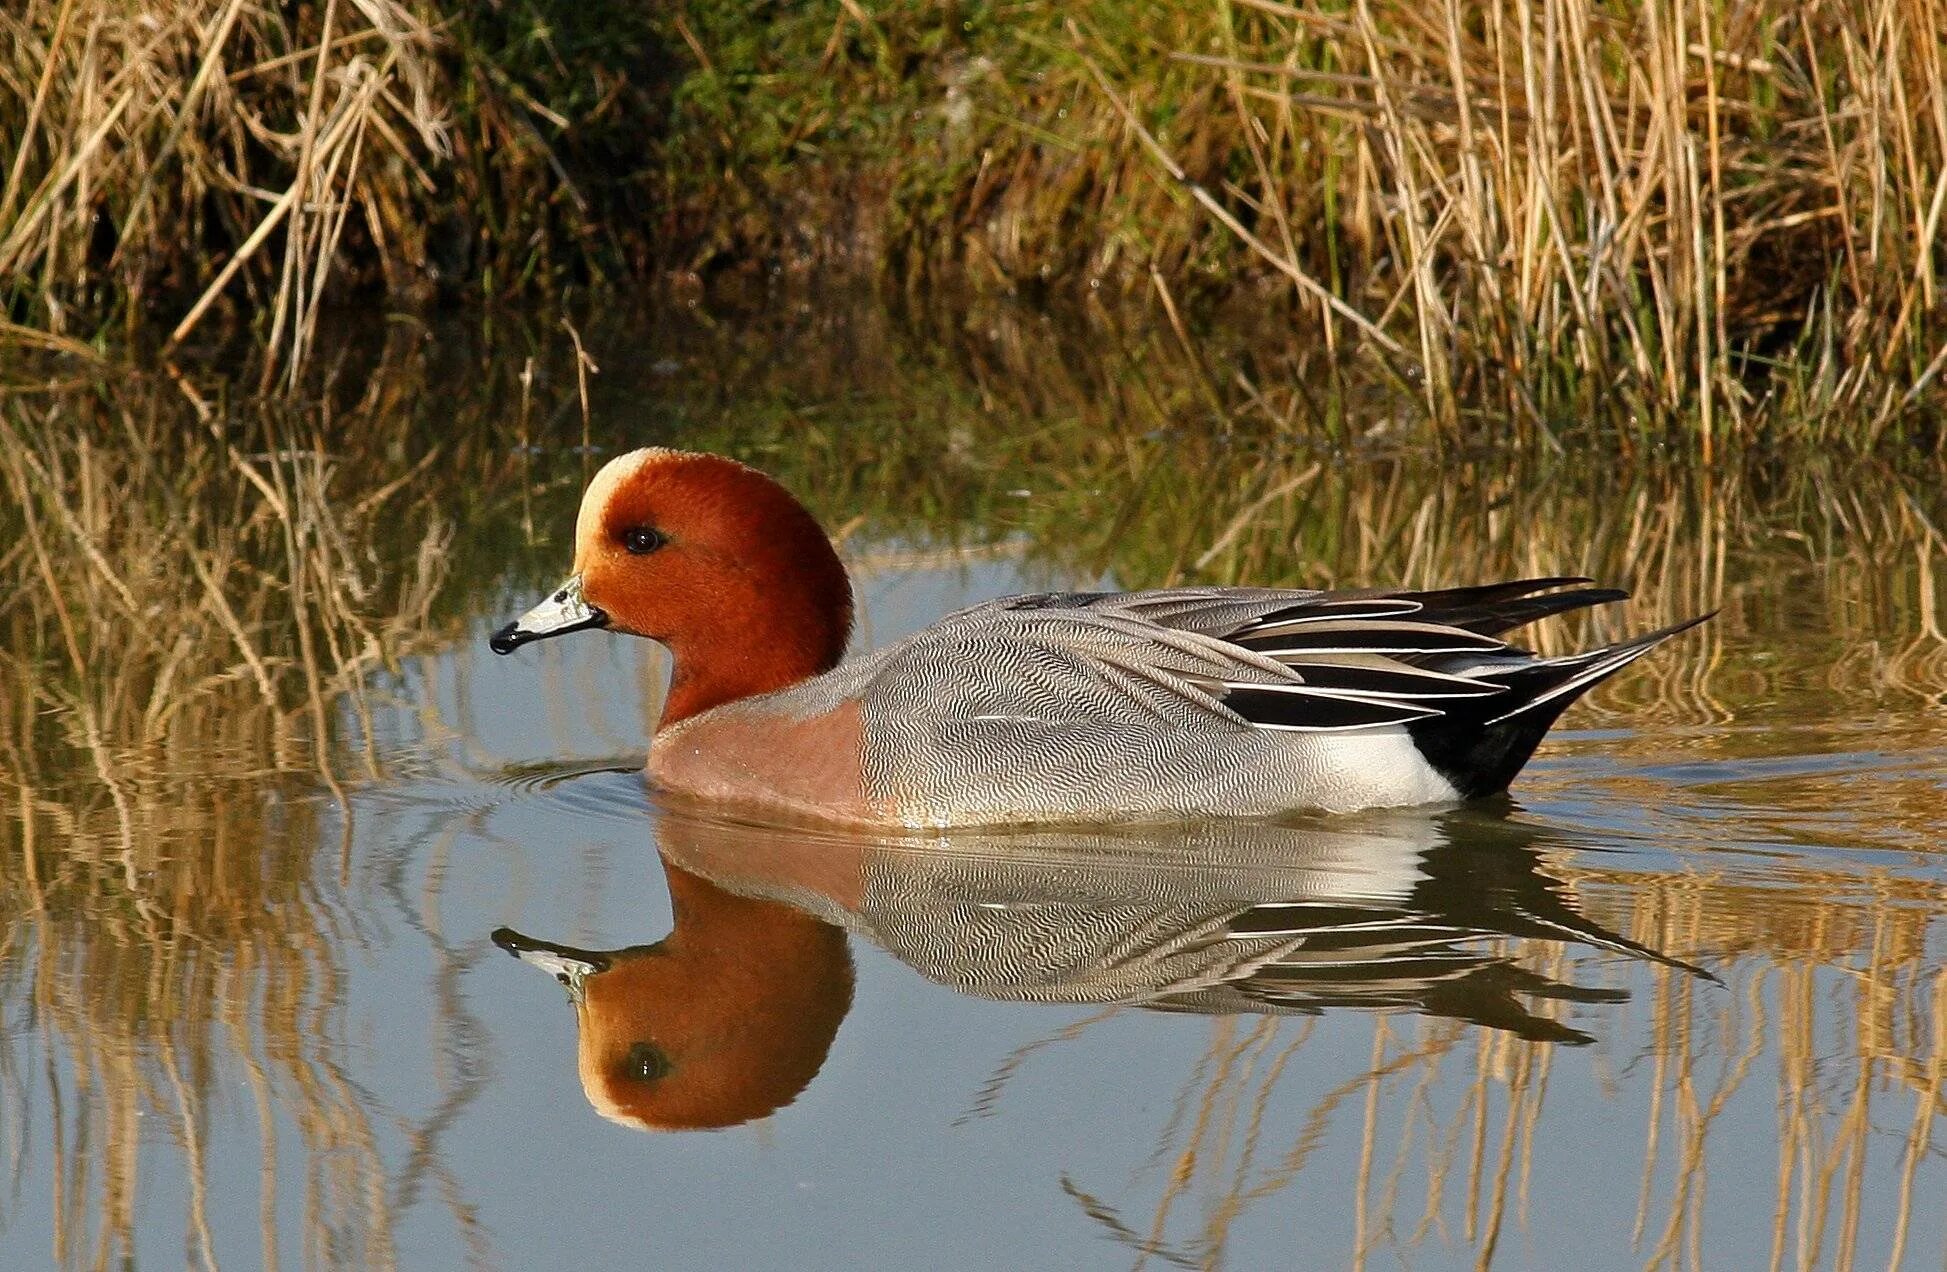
x=747, y=755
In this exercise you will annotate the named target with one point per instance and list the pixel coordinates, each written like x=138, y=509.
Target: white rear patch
x=1376, y=768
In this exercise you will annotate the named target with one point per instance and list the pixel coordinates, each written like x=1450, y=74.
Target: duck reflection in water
x=731, y=1015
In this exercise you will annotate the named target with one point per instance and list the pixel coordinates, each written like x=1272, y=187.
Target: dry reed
x=1635, y=218
x=1581, y=208
x=181, y=171
x=149, y=139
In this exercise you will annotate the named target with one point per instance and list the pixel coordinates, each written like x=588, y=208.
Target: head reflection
x=724, y=1020
x=730, y=1016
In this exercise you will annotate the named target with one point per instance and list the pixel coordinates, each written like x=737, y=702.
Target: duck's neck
x=759, y=959
x=744, y=930
x=780, y=636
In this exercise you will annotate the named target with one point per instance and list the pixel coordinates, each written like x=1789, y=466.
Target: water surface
x=1679, y=1003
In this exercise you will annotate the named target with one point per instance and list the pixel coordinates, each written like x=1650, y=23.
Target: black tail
x=1480, y=744
x=1500, y=607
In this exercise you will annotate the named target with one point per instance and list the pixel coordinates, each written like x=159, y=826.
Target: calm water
x=1682, y=1003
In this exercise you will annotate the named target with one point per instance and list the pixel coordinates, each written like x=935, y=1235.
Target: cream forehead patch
x=612, y=475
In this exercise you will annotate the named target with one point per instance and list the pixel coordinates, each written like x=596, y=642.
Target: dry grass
x=1552, y=205
x=1636, y=218
x=175, y=147
x=1633, y=216
x=182, y=170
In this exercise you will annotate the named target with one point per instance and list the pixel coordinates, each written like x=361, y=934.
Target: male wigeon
x=1185, y=702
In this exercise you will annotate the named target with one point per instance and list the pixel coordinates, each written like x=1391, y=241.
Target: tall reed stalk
x=173, y=171
x=1643, y=217
x=1581, y=207
x=174, y=147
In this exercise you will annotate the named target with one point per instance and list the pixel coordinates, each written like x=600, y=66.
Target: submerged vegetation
x=1633, y=218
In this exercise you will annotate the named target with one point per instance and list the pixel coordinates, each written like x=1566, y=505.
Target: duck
x=1168, y=704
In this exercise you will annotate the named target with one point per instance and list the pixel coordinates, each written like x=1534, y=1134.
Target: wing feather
x=1374, y=636
x=1301, y=708
x=1279, y=659
x=1392, y=680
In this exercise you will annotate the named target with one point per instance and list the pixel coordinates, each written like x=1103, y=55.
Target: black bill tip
x=545, y=620
x=565, y=963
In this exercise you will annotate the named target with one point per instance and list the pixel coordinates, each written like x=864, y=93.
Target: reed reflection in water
x=268, y=796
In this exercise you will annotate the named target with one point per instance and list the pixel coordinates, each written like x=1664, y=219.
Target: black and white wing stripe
x=1331, y=662
x=1359, y=663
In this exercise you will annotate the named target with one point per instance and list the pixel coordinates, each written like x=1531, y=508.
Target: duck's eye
x=642, y=540
x=645, y=1063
